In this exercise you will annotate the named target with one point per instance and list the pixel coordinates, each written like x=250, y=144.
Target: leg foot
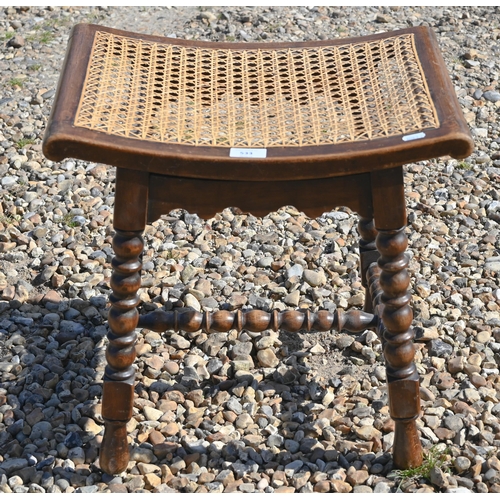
x=114, y=456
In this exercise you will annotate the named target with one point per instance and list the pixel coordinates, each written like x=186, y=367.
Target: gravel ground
x=229, y=412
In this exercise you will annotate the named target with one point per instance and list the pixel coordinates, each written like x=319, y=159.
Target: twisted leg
x=367, y=254
x=118, y=391
x=399, y=351
x=119, y=373
x=393, y=300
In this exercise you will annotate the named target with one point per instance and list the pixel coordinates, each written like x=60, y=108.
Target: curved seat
x=320, y=109
x=204, y=126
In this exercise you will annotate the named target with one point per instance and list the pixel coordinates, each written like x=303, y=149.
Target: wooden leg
x=397, y=316
x=123, y=317
x=399, y=351
x=367, y=254
x=119, y=374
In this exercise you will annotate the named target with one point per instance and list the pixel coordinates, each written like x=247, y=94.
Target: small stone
x=438, y=478
x=237, y=300
x=295, y=270
x=77, y=455
x=382, y=487
x=179, y=342
x=300, y=479
x=265, y=262
x=285, y=489
x=293, y=467
x=267, y=358
x=381, y=18
x=144, y=455
x=292, y=299
x=322, y=487
x=456, y=364
x=339, y=486
x=152, y=413
x=356, y=477
x=262, y=484
x=478, y=380
x=171, y=429
x=152, y=480
x=314, y=278
x=177, y=466
x=439, y=348
x=461, y=464
x=431, y=333
x=345, y=341
x=243, y=421
x=444, y=381
x=275, y=440
x=191, y=301
x=491, y=96
x=317, y=349
x=16, y=42
x=172, y=367
x=367, y=432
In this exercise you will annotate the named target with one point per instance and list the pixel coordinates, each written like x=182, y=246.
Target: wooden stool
x=204, y=126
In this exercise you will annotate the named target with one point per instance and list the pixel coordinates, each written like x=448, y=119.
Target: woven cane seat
x=142, y=100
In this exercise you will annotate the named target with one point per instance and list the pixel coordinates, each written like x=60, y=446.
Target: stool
x=205, y=126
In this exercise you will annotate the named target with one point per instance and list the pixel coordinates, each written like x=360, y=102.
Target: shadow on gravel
x=51, y=389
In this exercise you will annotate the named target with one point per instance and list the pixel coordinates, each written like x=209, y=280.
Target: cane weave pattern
x=255, y=97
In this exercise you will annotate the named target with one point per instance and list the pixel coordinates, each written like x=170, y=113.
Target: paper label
x=412, y=137
x=248, y=153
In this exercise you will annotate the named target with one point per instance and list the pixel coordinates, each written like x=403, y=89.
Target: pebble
x=491, y=96
x=223, y=412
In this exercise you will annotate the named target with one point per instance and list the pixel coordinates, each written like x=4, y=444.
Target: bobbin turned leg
x=397, y=316
x=367, y=254
x=123, y=317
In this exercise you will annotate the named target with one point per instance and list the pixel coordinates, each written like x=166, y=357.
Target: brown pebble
x=178, y=483
x=356, y=477
x=206, y=477
x=463, y=407
x=176, y=396
x=388, y=426
x=493, y=463
x=171, y=429
x=285, y=489
x=161, y=450
x=172, y=367
x=339, y=486
x=230, y=416
x=165, y=406
x=192, y=457
x=156, y=437
x=118, y=488
x=322, y=487
x=444, y=434
x=444, y=381
x=232, y=487
x=52, y=296
x=152, y=480
x=16, y=42
x=196, y=397
x=477, y=380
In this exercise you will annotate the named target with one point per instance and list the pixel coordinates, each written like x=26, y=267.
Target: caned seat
x=204, y=126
